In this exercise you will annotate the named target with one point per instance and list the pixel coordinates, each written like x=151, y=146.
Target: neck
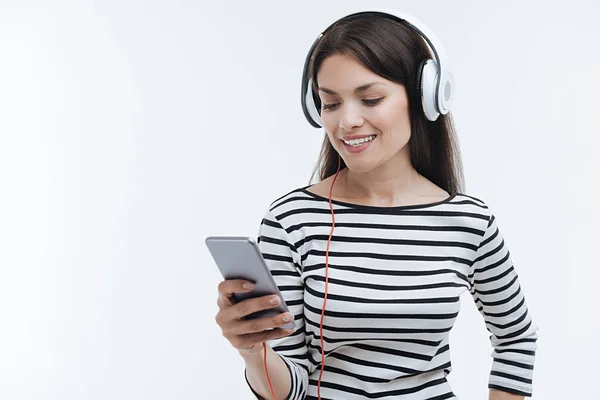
x=384, y=185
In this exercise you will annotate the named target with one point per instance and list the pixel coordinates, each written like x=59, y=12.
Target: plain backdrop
x=131, y=130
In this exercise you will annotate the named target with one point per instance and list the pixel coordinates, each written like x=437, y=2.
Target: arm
x=278, y=371
x=497, y=293
x=498, y=395
x=287, y=357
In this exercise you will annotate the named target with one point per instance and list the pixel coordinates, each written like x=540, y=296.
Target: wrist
x=251, y=357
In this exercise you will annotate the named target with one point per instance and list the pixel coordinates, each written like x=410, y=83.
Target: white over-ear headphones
x=436, y=82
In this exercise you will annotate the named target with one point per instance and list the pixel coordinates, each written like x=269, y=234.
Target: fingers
x=250, y=306
x=246, y=341
x=231, y=317
x=228, y=287
x=259, y=324
x=243, y=333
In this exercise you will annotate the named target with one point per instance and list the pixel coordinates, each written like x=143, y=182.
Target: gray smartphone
x=239, y=257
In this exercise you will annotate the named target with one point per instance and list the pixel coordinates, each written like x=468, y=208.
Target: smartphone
x=239, y=257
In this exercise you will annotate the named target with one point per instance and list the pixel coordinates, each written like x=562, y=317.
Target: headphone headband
x=442, y=90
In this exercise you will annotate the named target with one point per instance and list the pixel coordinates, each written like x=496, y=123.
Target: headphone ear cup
x=420, y=78
x=311, y=106
x=427, y=79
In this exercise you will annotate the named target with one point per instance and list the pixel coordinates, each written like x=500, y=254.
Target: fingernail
x=287, y=318
x=248, y=285
x=274, y=300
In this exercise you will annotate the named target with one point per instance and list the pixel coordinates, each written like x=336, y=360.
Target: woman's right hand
x=247, y=336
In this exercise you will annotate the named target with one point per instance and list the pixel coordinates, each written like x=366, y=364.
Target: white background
x=131, y=130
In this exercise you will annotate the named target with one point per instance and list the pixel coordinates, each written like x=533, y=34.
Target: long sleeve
x=283, y=260
x=497, y=293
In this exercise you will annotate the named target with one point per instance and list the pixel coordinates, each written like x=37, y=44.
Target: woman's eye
x=367, y=102
x=372, y=102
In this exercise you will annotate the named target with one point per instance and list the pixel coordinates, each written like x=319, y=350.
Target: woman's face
x=355, y=102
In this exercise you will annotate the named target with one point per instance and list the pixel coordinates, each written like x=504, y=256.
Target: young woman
x=373, y=258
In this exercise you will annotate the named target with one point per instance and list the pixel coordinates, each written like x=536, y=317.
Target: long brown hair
x=395, y=52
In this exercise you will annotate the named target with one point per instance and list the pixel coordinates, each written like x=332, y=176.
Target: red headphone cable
x=327, y=278
x=324, y=296
x=267, y=372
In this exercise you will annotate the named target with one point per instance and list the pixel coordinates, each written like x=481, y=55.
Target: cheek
x=330, y=121
x=330, y=125
x=391, y=117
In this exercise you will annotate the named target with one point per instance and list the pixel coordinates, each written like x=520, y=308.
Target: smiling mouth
x=359, y=142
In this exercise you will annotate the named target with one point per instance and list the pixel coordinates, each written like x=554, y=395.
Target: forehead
x=342, y=72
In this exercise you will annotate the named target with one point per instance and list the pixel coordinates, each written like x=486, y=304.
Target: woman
x=374, y=303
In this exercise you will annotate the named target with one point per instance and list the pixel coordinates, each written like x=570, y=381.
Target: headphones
x=435, y=82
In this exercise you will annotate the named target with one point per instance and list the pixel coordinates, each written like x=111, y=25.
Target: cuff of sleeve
x=510, y=383
x=512, y=376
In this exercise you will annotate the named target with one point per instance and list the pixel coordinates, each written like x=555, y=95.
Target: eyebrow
x=357, y=90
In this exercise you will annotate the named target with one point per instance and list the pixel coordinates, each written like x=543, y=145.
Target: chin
x=360, y=167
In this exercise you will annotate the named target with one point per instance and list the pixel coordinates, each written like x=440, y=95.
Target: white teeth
x=358, y=142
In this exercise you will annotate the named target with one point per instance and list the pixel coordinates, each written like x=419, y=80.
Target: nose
x=350, y=117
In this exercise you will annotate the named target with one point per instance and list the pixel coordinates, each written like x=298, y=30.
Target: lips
x=361, y=147
x=348, y=138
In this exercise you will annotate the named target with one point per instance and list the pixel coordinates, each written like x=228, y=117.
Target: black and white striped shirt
x=395, y=278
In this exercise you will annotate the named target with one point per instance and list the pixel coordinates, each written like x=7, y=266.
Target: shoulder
x=471, y=199
x=476, y=205
x=289, y=199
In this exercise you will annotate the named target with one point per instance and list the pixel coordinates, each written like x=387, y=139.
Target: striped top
x=395, y=278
